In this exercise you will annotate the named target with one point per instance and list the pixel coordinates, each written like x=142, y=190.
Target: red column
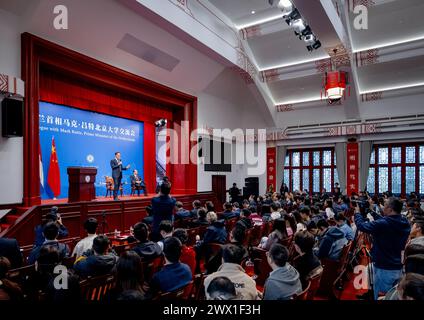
x=271, y=176
x=31, y=133
x=352, y=178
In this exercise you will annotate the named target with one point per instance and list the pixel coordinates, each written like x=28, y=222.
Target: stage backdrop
x=73, y=137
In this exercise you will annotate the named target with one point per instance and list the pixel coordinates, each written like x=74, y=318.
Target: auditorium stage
x=102, y=198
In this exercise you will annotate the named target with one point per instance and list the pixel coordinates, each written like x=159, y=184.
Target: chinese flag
x=53, y=178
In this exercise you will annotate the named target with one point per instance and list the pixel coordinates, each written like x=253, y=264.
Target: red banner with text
x=271, y=169
x=352, y=184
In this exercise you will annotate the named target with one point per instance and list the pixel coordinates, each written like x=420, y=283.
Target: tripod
x=104, y=225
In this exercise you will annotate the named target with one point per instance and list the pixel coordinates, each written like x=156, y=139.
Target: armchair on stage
x=110, y=185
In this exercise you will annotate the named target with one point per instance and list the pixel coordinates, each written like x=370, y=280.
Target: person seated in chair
x=232, y=258
x=228, y=211
x=197, y=205
x=342, y=224
x=180, y=212
x=149, y=218
x=188, y=254
x=332, y=241
x=201, y=220
x=9, y=248
x=216, y=232
x=100, y=262
x=307, y=263
x=284, y=281
x=146, y=249
x=85, y=244
x=221, y=288
x=137, y=183
x=165, y=230
x=174, y=274
x=50, y=232
x=245, y=220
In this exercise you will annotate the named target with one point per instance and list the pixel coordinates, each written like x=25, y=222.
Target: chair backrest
x=69, y=261
x=304, y=294
x=120, y=249
x=180, y=294
x=96, y=288
x=255, y=237
x=150, y=267
x=198, y=291
x=314, y=280
x=19, y=275
x=261, y=266
x=191, y=233
x=266, y=228
x=230, y=223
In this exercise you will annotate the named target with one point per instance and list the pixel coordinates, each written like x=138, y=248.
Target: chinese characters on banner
x=271, y=167
x=352, y=167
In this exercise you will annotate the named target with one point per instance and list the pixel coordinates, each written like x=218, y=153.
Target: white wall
x=11, y=150
x=228, y=103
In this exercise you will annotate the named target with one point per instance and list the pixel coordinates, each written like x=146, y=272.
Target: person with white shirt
x=275, y=210
x=329, y=209
x=86, y=244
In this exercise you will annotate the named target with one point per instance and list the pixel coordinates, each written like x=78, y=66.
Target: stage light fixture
x=161, y=123
x=286, y=6
x=315, y=46
x=293, y=16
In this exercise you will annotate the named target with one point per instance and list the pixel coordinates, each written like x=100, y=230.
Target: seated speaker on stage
x=137, y=184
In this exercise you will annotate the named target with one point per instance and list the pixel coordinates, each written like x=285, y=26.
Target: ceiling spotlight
x=298, y=25
x=286, y=6
x=309, y=38
x=293, y=16
x=253, y=12
x=314, y=46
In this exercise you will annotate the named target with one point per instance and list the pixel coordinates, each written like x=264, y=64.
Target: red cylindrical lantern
x=335, y=84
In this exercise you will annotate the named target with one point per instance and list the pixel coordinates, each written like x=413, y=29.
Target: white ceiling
x=391, y=22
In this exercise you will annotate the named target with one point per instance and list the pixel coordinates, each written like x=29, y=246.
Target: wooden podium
x=81, y=184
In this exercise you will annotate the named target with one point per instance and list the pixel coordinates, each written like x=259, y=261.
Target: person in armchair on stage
x=117, y=168
x=137, y=183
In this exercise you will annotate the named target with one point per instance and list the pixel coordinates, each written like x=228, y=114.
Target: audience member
x=163, y=207
x=232, y=257
x=145, y=248
x=174, y=274
x=99, y=262
x=390, y=233
x=9, y=248
x=284, y=281
x=90, y=226
x=221, y=288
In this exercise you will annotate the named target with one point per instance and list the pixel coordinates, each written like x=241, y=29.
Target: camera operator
x=390, y=233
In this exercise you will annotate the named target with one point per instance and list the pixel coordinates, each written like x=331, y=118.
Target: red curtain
x=65, y=90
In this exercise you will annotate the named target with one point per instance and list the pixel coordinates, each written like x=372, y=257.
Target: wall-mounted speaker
x=12, y=116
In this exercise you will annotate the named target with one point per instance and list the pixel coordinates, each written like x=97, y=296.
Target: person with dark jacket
x=54, y=216
x=216, y=232
x=201, y=220
x=146, y=249
x=50, y=232
x=390, y=234
x=9, y=248
x=163, y=208
x=245, y=220
x=284, y=281
x=174, y=274
x=332, y=241
x=307, y=262
x=228, y=212
x=100, y=262
x=180, y=212
x=197, y=205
